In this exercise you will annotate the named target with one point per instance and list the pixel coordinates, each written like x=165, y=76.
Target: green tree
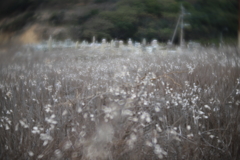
x=96, y=27
x=124, y=20
x=211, y=19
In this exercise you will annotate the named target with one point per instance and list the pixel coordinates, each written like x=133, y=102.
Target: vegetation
x=205, y=20
x=111, y=103
x=18, y=22
x=57, y=18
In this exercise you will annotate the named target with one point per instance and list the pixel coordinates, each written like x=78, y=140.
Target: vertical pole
x=76, y=45
x=182, y=23
x=144, y=42
x=50, y=43
x=176, y=29
x=93, y=39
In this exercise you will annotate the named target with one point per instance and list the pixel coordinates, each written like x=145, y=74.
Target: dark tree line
x=211, y=20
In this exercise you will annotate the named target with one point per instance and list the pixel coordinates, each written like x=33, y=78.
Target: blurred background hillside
x=30, y=21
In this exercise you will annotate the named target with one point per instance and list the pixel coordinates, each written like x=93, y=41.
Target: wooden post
x=93, y=40
x=144, y=42
x=77, y=44
x=50, y=43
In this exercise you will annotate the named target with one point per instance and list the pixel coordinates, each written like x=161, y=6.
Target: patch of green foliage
x=87, y=16
x=57, y=18
x=18, y=23
x=14, y=7
x=137, y=19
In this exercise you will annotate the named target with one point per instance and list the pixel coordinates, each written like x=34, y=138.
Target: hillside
x=206, y=22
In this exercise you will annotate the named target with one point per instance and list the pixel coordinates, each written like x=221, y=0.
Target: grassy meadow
x=107, y=103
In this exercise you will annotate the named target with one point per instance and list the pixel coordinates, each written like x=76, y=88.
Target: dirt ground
x=30, y=35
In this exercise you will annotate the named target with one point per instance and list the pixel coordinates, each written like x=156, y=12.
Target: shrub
x=18, y=22
x=87, y=16
x=57, y=18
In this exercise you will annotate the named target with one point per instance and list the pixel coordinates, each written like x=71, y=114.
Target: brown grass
x=103, y=112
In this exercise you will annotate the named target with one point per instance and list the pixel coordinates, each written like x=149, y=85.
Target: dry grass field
x=105, y=103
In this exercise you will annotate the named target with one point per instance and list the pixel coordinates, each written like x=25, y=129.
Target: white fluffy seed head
x=30, y=153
